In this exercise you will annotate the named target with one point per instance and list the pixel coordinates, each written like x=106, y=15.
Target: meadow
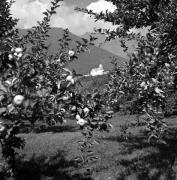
x=49, y=154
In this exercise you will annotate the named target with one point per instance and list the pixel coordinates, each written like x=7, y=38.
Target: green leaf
x=45, y=13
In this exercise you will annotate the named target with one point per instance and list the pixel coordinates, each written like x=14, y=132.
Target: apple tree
x=150, y=74
x=35, y=86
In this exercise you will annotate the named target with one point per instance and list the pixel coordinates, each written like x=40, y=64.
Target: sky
x=30, y=11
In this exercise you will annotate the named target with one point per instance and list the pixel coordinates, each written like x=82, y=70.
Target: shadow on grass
x=143, y=161
x=149, y=162
x=45, y=128
x=44, y=168
x=57, y=129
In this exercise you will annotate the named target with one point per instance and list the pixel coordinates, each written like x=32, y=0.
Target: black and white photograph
x=88, y=90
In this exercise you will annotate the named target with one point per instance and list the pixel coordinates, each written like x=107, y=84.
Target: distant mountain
x=113, y=46
x=86, y=61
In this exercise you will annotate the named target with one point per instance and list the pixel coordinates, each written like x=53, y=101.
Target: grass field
x=48, y=155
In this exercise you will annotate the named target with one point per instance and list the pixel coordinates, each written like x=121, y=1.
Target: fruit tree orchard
x=37, y=87
x=150, y=73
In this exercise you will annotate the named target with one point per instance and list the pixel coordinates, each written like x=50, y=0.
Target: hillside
x=86, y=61
x=94, y=82
x=113, y=46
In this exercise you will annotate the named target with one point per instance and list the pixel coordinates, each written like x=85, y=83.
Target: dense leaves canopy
x=151, y=72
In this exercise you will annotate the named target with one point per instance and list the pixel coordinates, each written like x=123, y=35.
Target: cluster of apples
x=16, y=53
x=81, y=121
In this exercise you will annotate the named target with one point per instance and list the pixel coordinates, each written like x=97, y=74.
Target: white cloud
x=101, y=5
x=30, y=11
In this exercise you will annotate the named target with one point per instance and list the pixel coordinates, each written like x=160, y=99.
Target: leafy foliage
x=151, y=72
x=92, y=114
x=37, y=87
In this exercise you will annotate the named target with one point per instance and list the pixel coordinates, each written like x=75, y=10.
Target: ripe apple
x=18, y=99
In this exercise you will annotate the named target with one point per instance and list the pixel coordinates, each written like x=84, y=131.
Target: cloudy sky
x=30, y=11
